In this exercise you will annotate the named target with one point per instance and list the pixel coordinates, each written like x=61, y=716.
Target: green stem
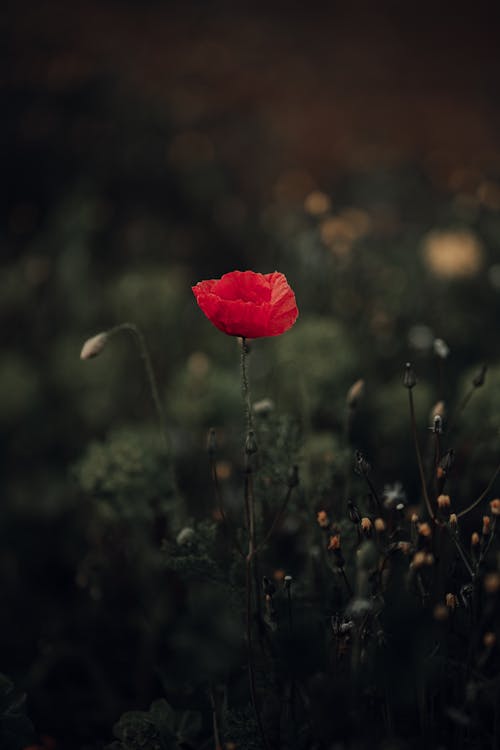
x=140, y=341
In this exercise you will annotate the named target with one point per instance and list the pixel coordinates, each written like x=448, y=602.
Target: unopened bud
x=409, y=379
x=495, y=507
x=486, y=525
x=440, y=612
x=451, y=601
x=489, y=639
x=453, y=520
x=287, y=580
x=379, y=524
x=355, y=393
x=474, y=539
x=438, y=410
x=94, y=346
x=323, y=519
x=366, y=524
x=425, y=530
x=443, y=501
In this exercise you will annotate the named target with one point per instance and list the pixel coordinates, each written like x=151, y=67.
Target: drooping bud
x=441, y=348
x=94, y=346
x=355, y=393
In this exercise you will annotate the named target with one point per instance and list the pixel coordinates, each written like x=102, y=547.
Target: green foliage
x=160, y=728
x=16, y=730
x=129, y=475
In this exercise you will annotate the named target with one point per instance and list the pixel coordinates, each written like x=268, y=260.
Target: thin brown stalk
x=419, y=456
x=276, y=520
x=481, y=496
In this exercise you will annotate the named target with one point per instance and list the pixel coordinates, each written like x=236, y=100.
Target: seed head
x=355, y=393
x=366, y=524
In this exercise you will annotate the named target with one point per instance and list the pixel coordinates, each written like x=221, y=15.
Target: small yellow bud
x=443, y=501
x=366, y=524
x=492, y=583
x=440, y=613
x=489, y=639
x=379, y=524
x=94, y=346
x=425, y=530
x=354, y=393
x=495, y=507
x=322, y=518
x=451, y=601
x=334, y=542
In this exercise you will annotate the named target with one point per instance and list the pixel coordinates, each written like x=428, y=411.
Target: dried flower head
x=379, y=524
x=451, y=601
x=474, y=539
x=443, y=501
x=334, y=542
x=94, y=346
x=366, y=524
x=486, y=525
x=453, y=520
x=425, y=530
x=409, y=378
x=322, y=518
x=495, y=507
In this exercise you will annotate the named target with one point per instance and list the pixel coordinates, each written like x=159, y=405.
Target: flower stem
x=419, y=455
x=481, y=496
x=140, y=341
x=244, y=385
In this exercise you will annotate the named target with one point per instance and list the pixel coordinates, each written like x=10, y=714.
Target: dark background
x=148, y=145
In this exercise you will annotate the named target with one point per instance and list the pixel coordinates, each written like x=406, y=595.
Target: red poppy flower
x=248, y=304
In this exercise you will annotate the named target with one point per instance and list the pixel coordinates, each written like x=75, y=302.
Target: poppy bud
x=94, y=346
x=379, y=524
x=409, y=379
x=451, y=601
x=441, y=348
x=355, y=393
